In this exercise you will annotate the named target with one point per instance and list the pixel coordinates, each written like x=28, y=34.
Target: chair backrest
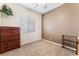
x=69, y=40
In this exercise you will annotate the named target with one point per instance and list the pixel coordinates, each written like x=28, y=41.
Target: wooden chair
x=71, y=40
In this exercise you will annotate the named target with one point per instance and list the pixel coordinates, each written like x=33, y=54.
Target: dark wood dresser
x=9, y=38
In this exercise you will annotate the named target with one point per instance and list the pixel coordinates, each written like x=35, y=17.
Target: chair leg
x=62, y=41
x=62, y=46
x=76, y=52
x=77, y=48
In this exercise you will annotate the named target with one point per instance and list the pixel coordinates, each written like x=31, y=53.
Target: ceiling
x=41, y=9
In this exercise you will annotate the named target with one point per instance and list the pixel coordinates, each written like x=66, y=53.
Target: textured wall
x=62, y=20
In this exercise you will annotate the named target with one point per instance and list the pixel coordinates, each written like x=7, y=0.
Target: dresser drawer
x=4, y=47
x=10, y=30
x=13, y=44
x=10, y=37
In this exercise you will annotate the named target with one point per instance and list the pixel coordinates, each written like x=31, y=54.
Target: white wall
x=0, y=19
x=14, y=21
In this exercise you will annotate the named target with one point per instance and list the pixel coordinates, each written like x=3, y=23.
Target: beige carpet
x=40, y=48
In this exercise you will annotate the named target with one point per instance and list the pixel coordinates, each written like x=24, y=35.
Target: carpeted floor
x=40, y=48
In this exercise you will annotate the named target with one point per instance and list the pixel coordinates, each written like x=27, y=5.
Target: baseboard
x=30, y=43
x=52, y=42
